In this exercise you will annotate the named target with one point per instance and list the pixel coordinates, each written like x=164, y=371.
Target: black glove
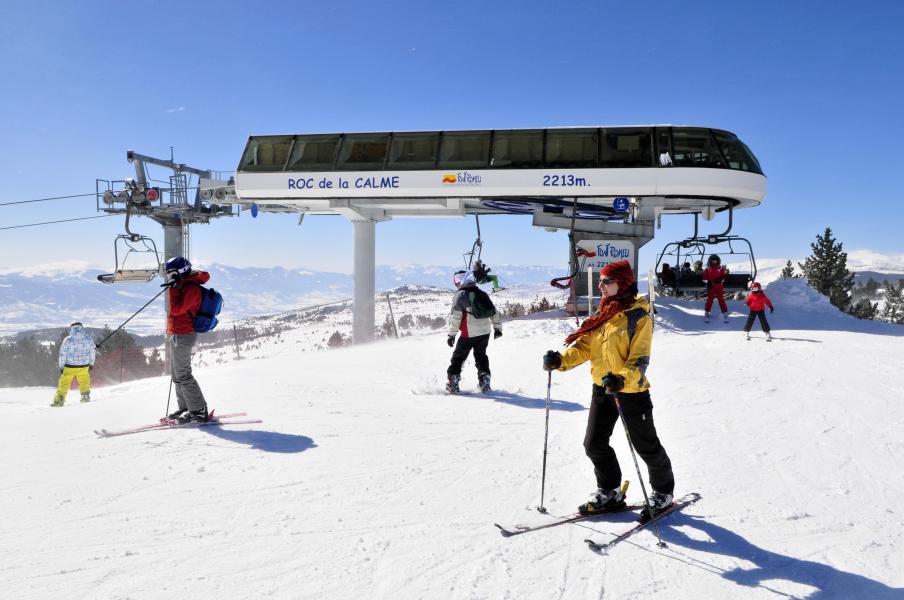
x=450, y=340
x=497, y=333
x=771, y=310
x=552, y=360
x=169, y=284
x=613, y=383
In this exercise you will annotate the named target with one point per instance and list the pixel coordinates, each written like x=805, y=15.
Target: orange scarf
x=605, y=311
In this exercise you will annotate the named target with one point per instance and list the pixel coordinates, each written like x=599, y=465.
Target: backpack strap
x=634, y=316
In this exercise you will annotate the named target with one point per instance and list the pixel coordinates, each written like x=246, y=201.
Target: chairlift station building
x=608, y=183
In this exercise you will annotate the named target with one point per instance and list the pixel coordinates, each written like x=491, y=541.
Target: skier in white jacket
x=77, y=354
x=475, y=318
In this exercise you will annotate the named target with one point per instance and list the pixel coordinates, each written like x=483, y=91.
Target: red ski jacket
x=758, y=301
x=184, y=301
x=716, y=276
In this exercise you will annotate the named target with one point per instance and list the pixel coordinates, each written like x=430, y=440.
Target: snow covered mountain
x=60, y=293
x=365, y=480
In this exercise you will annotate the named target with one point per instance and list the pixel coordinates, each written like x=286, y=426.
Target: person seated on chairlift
x=482, y=275
x=667, y=277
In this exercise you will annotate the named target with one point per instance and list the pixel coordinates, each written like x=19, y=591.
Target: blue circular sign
x=620, y=204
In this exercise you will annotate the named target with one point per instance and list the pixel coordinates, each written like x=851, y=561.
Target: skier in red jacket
x=184, y=301
x=715, y=275
x=757, y=301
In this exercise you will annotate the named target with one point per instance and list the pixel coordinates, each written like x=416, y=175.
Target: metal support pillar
x=364, y=305
x=172, y=246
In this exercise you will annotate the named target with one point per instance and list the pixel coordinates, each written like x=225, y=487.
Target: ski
x=159, y=425
x=518, y=529
x=677, y=505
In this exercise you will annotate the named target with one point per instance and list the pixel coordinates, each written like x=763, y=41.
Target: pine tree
x=826, y=270
x=864, y=309
x=788, y=271
x=894, y=305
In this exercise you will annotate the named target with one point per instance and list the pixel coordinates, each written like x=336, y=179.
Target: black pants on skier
x=638, y=409
x=463, y=347
x=763, y=322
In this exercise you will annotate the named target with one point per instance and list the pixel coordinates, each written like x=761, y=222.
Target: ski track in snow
x=366, y=480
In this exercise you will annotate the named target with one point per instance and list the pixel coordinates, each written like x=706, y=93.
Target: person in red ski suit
x=757, y=301
x=715, y=275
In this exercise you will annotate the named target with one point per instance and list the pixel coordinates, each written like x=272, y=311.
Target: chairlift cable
x=52, y=222
x=46, y=199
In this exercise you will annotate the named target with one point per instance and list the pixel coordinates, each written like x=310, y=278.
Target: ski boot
x=173, y=417
x=706, y=317
x=452, y=384
x=58, y=400
x=483, y=380
x=725, y=317
x=768, y=336
x=193, y=416
x=658, y=503
x=747, y=335
x=86, y=397
x=602, y=501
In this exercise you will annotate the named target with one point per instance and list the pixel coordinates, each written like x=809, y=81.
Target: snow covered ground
x=366, y=481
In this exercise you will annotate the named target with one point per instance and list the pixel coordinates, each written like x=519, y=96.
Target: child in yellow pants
x=83, y=374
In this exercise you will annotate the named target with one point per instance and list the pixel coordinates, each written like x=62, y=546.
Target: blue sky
x=814, y=88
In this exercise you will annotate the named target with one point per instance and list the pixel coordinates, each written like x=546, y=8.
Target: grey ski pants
x=188, y=392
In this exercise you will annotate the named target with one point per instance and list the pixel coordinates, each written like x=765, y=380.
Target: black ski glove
x=450, y=340
x=613, y=383
x=497, y=333
x=771, y=310
x=169, y=284
x=552, y=360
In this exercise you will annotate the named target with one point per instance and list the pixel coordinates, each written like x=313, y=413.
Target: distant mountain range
x=54, y=295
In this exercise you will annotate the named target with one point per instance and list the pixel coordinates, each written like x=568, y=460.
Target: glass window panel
x=664, y=146
x=626, y=147
x=736, y=152
x=266, y=153
x=695, y=147
x=314, y=152
x=464, y=150
x=362, y=152
x=572, y=148
x=518, y=150
x=413, y=151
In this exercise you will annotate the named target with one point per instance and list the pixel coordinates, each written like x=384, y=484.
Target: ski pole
x=129, y=319
x=542, y=508
x=168, y=396
x=643, y=487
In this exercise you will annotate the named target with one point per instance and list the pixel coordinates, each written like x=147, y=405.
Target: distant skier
x=184, y=300
x=715, y=275
x=616, y=340
x=76, y=359
x=475, y=318
x=757, y=301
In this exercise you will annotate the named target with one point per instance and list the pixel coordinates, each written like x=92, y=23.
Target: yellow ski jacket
x=611, y=348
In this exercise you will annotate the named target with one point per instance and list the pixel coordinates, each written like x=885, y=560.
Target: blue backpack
x=205, y=319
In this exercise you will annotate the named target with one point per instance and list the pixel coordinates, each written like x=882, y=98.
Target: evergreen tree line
x=826, y=271
x=27, y=362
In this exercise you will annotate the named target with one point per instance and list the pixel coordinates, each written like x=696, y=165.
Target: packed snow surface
x=365, y=480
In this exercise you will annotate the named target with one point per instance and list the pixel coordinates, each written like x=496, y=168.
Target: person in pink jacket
x=757, y=301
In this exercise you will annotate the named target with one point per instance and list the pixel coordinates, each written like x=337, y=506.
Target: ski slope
x=366, y=481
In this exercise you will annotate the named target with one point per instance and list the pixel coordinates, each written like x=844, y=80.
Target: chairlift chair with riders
x=474, y=263
x=699, y=248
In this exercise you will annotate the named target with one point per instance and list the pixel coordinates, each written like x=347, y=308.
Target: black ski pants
x=638, y=409
x=763, y=322
x=463, y=347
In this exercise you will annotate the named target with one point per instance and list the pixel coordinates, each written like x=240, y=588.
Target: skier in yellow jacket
x=616, y=340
